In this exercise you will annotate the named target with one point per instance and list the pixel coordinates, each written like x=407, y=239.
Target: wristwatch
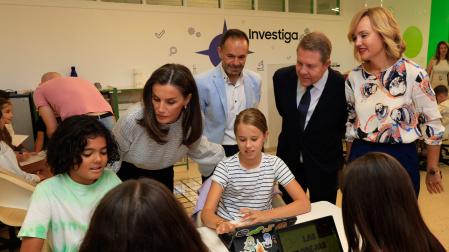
x=432, y=171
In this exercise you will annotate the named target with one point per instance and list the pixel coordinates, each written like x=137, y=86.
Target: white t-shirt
x=8, y=161
x=60, y=209
x=243, y=188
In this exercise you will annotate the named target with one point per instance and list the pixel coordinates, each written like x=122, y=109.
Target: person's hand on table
x=226, y=227
x=24, y=156
x=254, y=216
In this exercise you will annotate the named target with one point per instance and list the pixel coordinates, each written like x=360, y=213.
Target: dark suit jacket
x=321, y=141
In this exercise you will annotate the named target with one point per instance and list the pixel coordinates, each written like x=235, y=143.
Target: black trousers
x=230, y=150
x=322, y=186
x=130, y=171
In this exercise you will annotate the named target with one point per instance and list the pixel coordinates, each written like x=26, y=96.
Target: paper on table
x=18, y=139
x=33, y=159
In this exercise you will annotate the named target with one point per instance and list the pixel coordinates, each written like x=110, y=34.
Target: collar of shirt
x=226, y=78
x=320, y=84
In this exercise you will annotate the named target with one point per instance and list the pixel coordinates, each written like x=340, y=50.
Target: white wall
x=106, y=41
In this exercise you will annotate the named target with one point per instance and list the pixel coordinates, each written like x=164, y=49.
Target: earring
x=185, y=106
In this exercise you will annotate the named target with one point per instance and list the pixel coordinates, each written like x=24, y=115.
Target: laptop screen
x=315, y=235
x=256, y=237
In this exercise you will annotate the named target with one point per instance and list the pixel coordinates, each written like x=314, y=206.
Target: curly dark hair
x=70, y=138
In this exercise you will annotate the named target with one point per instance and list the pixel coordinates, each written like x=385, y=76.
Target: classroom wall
x=106, y=41
x=439, y=25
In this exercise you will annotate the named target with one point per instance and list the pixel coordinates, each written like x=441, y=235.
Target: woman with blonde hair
x=438, y=67
x=388, y=97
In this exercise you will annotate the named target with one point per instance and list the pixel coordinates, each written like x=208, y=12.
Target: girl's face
x=168, y=102
x=368, y=42
x=443, y=50
x=250, y=140
x=7, y=114
x=95, y=158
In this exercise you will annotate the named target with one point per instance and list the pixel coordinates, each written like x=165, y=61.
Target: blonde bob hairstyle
x=383, y=22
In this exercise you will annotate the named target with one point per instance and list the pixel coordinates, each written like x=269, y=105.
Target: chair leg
x=13, y=242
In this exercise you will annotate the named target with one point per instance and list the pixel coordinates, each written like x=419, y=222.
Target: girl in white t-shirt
x=7, y=158
x=61, y=206
x=242, y=185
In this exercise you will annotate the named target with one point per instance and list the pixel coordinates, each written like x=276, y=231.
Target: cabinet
x=121, y=98
x=24, y=117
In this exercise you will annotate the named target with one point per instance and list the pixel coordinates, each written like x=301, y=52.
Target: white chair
x=15, y=193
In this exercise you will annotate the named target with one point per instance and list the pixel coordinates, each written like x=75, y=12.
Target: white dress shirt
x=236, y=103
x=315, y=94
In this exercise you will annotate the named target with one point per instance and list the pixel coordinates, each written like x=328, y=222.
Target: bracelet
x=218, y=224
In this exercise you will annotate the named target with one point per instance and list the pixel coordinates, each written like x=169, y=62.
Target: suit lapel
x=220, y=85
x=250, y=96
x=292, y=83
x=323, y=102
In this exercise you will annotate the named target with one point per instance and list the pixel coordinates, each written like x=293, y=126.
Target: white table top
x=319, y=209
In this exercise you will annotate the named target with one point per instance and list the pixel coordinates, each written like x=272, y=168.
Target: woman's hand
x=226, y=227
x=434, y=183
x=254, y=216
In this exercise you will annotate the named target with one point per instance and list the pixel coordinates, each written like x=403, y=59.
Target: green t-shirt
x=60, y=209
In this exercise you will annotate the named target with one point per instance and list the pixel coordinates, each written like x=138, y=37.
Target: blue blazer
x=212, y=94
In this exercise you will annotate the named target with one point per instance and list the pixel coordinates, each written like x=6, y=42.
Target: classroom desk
x=319, y=209
x=39, y=166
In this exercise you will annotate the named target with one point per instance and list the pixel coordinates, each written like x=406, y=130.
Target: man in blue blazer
x=227, y=90
x=310, y=142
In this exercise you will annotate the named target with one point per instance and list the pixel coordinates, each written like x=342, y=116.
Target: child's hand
x=42, y=177
x=226, y=227
x=24, y=156
x=254, y=216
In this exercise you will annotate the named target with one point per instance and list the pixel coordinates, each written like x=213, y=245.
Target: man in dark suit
x=310, y=97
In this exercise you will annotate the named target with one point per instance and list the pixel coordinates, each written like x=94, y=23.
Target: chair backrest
x=12, y=174
x=14, y=192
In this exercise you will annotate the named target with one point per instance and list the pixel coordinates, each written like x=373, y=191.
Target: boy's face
x=95, y=158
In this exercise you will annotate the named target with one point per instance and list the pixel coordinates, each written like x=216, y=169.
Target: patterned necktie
x=303, y=107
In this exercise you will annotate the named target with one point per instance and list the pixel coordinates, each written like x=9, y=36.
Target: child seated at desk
x=7, y=158
x=242, y=185
x=141, y=215
x=380, y=210
x=61, y=206
x=6, y=108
